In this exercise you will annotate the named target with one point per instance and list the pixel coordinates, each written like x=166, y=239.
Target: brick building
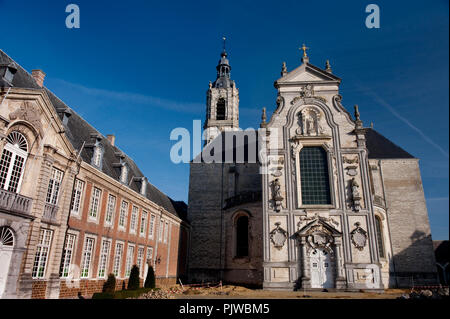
x=74, y=207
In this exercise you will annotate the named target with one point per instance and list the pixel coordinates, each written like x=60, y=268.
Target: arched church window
x=315, y=183
x=379, y=236
x=220, y=109
x=242, y=236
x=6, y=237
x=12, y=162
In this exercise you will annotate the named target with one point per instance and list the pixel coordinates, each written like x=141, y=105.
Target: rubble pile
x=156, y=294
x=439, y=293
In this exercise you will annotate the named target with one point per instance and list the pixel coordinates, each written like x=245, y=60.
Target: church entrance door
x=321, y=269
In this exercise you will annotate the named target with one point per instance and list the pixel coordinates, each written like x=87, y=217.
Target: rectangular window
x=166, y=232
x=42, y=252
x=140, y=261
x=104, y=258
x=152, y=226
x=76, y=197
x=160, y=230
x=150, y=255
x=110, y=208
x=134, y=217
x=129, y=261
x=143, y=223
x=118, y=259
x=315, y=185
x=95, y=203
x=87, y=257
x=54, y=185
x=67, y=256
x=123, y=214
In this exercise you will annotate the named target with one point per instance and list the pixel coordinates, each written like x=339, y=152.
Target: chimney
x=38, y=76
x=111, y=138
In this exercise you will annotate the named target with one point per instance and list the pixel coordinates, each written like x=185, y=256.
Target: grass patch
x=122, y=294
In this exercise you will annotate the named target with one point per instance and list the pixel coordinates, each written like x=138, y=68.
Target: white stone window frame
x=151, y=230
x=123, y=215
x=87, y=257
x=110, y=210
x=66, y=262
x=95, y=201
x=15, y=153
x=296, y=148
x=54, y=186
x=134, y=218
x=104, y=258
x=42, y=253
x=140, y=260
x=117, y=261
x=143, y=223
x=77, y=198
x=129, y=259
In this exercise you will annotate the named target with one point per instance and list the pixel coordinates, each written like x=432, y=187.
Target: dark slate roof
x=79, y=131
x=380, y=147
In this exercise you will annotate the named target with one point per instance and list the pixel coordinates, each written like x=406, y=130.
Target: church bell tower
x=222, y=101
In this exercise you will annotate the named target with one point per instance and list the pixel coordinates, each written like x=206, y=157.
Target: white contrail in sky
x=404, y=120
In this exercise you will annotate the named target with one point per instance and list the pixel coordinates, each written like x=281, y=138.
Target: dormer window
x=143, y=186
x=124, y=173
x=98, y=155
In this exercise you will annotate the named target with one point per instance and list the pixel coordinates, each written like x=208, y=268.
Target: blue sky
x=138, y=69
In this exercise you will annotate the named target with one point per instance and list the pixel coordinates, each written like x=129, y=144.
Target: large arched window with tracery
x=315, y=181
x=12, y=162
x=242, y=236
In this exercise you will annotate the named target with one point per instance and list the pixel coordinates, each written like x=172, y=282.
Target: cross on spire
x=224, y=40
x=304, y=48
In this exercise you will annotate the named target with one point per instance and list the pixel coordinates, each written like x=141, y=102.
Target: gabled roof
x=380, y=147
x=313, y=74
x=78, y=131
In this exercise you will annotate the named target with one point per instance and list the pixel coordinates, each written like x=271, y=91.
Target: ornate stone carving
x=356, y=197
x=348, y=160
x=276, y=194
x=309, y=122
x=320, y=237
x=29, y=113
x=307, y=91
x=359, y=237
x=351, y=170
x=278, y=236
x=280, y=102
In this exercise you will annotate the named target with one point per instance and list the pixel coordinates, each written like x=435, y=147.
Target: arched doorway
x=322, y=268
x=6, y=250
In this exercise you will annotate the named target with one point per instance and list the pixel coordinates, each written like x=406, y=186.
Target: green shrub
x=110, y=284
x=133, y=281
x=150, y=280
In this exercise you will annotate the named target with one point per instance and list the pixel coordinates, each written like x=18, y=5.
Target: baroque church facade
x=316, y=200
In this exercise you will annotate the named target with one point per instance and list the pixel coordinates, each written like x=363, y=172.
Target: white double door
x=322, y=269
